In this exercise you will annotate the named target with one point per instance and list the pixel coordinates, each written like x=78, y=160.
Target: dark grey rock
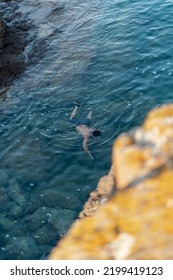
x=4, y=178
x=2, y=255
x=5, y=223
x=4, y=200
x=59, y=220
x=37, y=219
x=45, y=234
x=19, y=229
x=2, y=28
x=12, y=42
x=62, y=220
x=24, y=248
x=34, y=204
x=32, y=207
x=61, y=199
x=16, y=212
x=2, y=191
x=3, y=239
x=45, y=249
x=16, y=193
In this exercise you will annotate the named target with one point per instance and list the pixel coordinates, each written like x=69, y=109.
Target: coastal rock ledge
x=130, y=214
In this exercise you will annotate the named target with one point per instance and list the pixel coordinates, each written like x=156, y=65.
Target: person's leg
x=87, y=121
x=73, y=120
x=89, y=116
x=74, y=112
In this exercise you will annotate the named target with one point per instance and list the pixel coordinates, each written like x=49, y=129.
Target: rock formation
x=129, y=216
x=2, y=32
x=11, y=61
x=13, y=39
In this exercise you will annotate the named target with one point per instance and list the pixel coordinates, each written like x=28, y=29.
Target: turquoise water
x=116, y=58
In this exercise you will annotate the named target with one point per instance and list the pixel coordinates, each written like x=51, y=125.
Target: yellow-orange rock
x=136, y=222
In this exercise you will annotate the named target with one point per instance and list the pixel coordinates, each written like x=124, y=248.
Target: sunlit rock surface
x=136, y=222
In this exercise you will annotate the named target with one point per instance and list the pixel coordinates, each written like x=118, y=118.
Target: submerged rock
x=62, y=220
x=16, y=193
x=19, y=229
x=24, y=248
x=46, y=234
x=4, y=178
x=45, y=218
x=3, y=239
x=45, y=249
x=2, y=28
x=2, y=32
x=13, y=40
x=2, y=255
x=2, y=191
x=5, y=223
x=12, y=63
x=136, y=222
x=16, y=212
x=37, y=219
x=62, y=199
x=4, y=200
x=33, y=206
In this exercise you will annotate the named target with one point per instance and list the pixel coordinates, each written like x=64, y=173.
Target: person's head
x=96, y=133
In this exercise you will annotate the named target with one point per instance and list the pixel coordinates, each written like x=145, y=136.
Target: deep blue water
x=116, y=58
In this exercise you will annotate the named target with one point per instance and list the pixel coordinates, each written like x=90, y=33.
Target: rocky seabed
x=30, y=226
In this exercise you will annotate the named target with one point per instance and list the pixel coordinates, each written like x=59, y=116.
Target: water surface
x=115, y=58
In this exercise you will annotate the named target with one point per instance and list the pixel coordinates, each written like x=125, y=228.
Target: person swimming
x=83, y=128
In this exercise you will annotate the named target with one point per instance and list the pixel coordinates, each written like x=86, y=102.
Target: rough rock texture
x=13, y=40
x=136, y=223
x=104, y=190
x=12, y=63
x=2, y=32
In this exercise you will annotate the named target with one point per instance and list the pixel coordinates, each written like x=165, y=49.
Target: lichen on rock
x=135, y=219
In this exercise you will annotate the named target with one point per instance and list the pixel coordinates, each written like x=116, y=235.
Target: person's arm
x=85, y=147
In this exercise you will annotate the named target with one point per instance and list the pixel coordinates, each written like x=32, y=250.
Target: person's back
x=83, y=128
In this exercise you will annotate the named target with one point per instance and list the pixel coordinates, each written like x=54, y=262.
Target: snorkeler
x=82, y=127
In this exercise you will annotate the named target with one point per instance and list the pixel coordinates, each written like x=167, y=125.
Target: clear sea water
x=116, y=58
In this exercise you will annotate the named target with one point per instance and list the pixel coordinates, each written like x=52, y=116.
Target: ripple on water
x=115, y=57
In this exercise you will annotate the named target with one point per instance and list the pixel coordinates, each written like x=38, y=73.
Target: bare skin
x=84, y=131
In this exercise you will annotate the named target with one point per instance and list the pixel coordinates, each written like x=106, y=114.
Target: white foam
x=45, y=30
x=38, y=11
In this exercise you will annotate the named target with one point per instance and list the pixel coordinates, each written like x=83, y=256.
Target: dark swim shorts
x=77, y=122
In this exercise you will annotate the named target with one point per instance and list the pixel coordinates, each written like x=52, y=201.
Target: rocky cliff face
x=129, y=216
